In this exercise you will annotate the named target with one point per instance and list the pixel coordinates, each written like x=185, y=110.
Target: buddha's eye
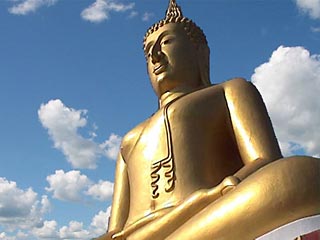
x=166, y=41
x=147, y=54
x=147, y=51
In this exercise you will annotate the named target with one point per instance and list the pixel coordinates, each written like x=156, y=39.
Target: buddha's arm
x=251, y=126
x=120, y=203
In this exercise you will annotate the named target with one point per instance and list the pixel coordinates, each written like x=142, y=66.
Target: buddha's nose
x=156, y=54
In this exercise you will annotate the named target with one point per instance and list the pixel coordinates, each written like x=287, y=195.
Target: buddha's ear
x=203, y=55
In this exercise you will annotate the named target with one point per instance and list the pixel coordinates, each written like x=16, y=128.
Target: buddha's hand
x=108, y=236
x=228, y=184
x=221, y=189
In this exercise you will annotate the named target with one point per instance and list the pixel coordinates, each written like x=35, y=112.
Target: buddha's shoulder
x=233, y=86
x=219, y=90
x=134, y=133
x=237, y=84
x=132, y=137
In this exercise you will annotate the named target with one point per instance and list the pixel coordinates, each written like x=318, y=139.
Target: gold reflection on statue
x=207, y=164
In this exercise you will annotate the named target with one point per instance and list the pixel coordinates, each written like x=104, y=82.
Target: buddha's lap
x=274, y=195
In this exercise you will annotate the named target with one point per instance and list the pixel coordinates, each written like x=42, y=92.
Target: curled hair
x=174, y=15
x=194, y=33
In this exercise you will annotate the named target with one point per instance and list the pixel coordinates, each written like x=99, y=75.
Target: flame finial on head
x=173, y=11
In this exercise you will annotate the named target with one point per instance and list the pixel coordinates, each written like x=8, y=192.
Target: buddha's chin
x=161, y=78
x=164, y=82
x=165, y=79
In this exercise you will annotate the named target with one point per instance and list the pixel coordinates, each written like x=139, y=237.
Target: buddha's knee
x=298, y=168
x=297, y=178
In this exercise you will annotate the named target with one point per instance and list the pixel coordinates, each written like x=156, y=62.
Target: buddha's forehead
x=169, y=28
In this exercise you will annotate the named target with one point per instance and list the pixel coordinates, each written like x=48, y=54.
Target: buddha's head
x=177, y=53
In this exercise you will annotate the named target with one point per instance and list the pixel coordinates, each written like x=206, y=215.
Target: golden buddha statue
x=207, y=164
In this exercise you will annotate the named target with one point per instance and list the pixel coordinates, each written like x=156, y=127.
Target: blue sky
x=73, y=82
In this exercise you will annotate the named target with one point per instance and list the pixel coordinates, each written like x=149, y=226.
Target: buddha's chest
x=176, y=125
x=171, y=141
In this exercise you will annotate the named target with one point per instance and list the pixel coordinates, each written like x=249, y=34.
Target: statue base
x=306, y=228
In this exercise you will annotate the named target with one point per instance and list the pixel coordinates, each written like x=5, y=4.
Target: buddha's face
x=171, y=59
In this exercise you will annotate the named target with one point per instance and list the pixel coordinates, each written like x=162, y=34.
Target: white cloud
x=63, y=124
x=22, y=235
x=100, y=10
x=133, y=14
x=310, y=7
x=20, y=208
x=101, y=191
x=315, y=29
x=68, y=186
x=111, y=146
x=14, y=236
x=74, y=231
x=45, y=204
x=74, y=187
x=48, y=230
x=100, y=221
x=146, y=16
x=4, y=236
x=24, y=7
x=290, y=83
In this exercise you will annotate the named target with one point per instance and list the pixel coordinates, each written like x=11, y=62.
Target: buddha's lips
x=159, y=68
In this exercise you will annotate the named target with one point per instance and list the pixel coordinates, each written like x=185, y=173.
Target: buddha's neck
x=171, y=95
